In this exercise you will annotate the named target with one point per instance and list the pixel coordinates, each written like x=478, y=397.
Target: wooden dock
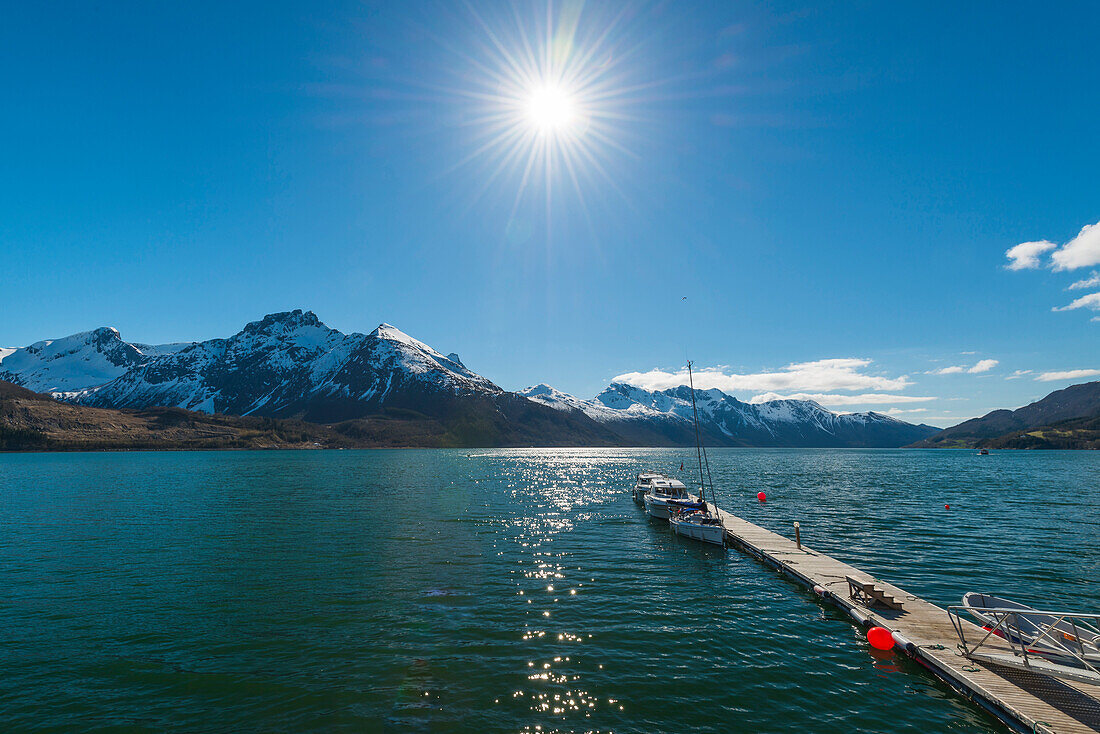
x=1024, y=700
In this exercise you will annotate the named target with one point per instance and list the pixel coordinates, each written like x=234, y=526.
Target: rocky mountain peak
x=105, y=334
x=387, y=332
x=283, y=322
x=541, y=389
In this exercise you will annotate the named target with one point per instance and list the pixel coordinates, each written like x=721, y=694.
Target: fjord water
x=504, y=590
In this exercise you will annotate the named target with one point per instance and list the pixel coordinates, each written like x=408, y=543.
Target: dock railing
x=1034, y=637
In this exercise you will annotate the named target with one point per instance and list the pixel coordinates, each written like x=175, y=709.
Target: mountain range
x=290, y=365
x=645, y=417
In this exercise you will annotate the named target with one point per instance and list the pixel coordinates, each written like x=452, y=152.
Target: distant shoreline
x=182, y=449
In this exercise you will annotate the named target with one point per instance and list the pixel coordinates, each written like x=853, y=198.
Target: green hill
x=1076, y=433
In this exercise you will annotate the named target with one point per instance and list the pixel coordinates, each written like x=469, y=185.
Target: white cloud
x=899, y=411
x=1067, y=375
x=1080, y=252
x=829, y=399
x=1018, y=374
x=1025, y=256
x=983, y=365
x=1091, y=301
x=945, y=420
x=824, y=375
x=1089, y=282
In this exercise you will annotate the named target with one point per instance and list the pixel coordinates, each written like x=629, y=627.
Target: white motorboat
x=663, y=491
x=644, y=483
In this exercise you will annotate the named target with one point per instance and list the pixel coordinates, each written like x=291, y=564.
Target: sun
x=551, y=101
x=551, y=108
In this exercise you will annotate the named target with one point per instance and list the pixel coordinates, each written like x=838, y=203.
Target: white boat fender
x=859, y=618
x=821, y=591
x=904, y=642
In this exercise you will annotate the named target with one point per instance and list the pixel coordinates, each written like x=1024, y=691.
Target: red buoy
x=761, y=496
x=947, y=507
x=880, y=638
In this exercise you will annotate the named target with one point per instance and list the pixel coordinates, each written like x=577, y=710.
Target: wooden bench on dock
x=869, y=594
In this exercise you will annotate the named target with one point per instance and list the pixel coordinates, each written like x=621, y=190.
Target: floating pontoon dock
x=1027, y=701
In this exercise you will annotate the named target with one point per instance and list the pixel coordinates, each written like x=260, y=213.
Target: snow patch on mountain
x=159, y=350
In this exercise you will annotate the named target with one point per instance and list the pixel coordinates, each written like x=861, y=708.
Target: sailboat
x=695, y=519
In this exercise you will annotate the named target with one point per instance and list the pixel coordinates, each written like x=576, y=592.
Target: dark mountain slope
x=1076, y=433
x=34, y=422
x=1076, y=401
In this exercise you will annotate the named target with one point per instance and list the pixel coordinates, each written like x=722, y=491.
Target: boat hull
x=715, y=534
x=655, y=508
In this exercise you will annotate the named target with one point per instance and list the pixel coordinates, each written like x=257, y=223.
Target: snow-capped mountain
x=76, y=362
x=543, y=393
x=648, y=416
x=291, y=364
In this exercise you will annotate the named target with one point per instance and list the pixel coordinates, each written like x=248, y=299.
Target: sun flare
x=552, y=101
x=551, y=108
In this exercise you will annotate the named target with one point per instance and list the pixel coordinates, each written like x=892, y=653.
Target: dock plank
x=1026, y=701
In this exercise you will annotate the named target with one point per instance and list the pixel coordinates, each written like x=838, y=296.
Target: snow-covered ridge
x=287, y=363
x=284, y=361
x=546, y=395
x=418, y=358
x=75, y=362
x=781, y=421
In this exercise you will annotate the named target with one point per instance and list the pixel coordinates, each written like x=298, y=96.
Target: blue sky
x=836, y=181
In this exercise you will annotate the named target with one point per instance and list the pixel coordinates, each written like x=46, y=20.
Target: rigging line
x=698, y=443
x=709, y=480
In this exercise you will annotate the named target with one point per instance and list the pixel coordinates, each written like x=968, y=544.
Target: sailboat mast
x=698, y=442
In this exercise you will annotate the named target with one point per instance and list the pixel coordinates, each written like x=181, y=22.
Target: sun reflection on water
x=555, y=492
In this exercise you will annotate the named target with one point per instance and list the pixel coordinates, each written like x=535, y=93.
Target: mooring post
x=797, y=536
